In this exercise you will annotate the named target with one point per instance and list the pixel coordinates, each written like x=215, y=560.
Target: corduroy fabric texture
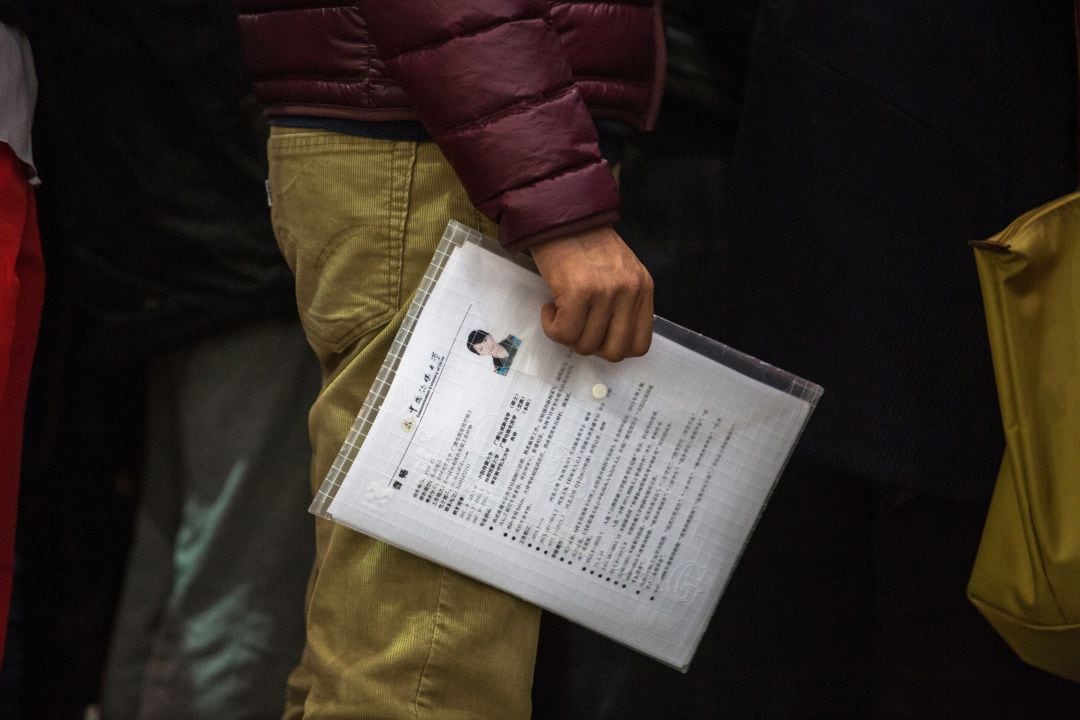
x=389, y=635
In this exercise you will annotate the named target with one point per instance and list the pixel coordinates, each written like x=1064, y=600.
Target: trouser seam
x=431, y=646
x=403, y=162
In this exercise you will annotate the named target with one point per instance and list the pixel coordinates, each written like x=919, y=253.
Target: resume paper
x=617, y=495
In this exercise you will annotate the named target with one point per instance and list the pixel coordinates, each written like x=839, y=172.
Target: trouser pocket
x=339, y=209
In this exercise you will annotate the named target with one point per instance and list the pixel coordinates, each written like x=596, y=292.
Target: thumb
x=548, y=313
x=560, y=323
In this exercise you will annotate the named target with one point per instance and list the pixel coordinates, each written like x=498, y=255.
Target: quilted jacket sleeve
x=493, y=87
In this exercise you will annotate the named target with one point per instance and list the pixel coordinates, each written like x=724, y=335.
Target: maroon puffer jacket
x=505, y=87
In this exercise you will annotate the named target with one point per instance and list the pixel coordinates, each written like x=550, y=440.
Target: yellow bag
x=1026, y=578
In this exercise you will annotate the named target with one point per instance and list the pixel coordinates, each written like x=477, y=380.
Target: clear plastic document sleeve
x=617, y=495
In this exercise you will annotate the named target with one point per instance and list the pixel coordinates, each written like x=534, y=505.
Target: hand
x=603, y=295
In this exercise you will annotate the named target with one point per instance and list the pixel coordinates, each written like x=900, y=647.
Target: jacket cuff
x=571, y=201
x=600, y=220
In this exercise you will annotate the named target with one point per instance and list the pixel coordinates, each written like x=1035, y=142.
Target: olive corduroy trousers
x=389, y=635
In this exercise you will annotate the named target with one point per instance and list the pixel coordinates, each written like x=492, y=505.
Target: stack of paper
x=619, y=496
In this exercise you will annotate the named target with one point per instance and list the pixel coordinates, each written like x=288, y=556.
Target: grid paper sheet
x=619, y=496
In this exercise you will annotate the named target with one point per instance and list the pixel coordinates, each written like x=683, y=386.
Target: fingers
x=563, y=323
x=594, y=333
x=603, y=295
x=643, y=327
x=629, y=333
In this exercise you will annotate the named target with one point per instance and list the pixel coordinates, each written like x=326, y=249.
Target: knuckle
x=638, y=284
x=585, y=348
x=611, y=356
x=561, y=335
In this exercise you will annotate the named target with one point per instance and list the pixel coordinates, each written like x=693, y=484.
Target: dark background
x=849, y=601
